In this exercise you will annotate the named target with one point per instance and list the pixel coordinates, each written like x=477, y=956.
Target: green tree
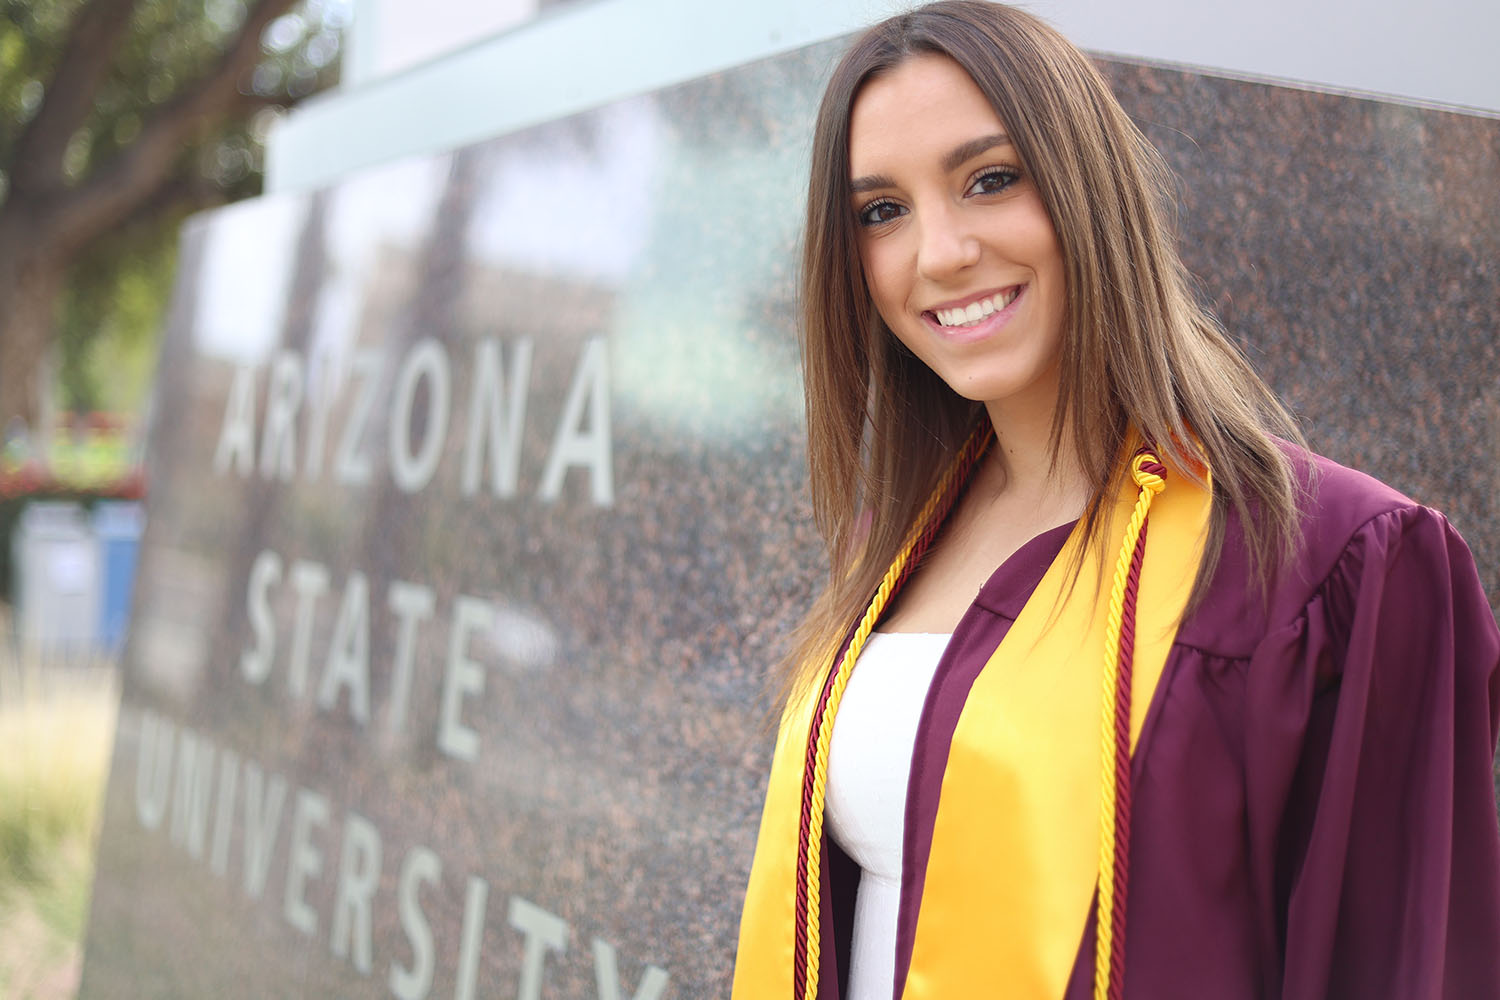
x=117, y=118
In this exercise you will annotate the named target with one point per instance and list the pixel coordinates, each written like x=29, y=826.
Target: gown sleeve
x=1371, y=723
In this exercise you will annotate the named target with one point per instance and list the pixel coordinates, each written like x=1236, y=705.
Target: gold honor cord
x=1109, y=974
x=928, y=520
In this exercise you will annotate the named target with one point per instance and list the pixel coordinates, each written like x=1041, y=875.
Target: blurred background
x=117, y=120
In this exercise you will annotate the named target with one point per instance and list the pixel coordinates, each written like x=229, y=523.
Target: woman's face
x=959, y=254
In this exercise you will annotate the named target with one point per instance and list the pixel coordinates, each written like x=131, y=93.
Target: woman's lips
x=976, y=318
x=977, y=310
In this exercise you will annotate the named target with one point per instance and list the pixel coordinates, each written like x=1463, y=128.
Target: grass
x=56, y=730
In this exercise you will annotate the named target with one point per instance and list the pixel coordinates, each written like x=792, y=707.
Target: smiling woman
x=1262, y=728
x=959, y=254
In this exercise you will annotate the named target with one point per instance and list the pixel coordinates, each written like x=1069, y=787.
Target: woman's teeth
x=976, y=311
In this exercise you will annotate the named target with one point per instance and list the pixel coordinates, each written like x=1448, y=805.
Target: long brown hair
x=1138, y=350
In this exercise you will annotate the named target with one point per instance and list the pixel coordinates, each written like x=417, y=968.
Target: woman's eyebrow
x=956, y=158
x=967, y=151
x=870, y=182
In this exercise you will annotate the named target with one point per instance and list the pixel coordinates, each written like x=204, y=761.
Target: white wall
x=595, y=51
x=1438, y=51
x=389, y=36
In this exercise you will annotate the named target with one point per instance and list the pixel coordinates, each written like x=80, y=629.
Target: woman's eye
x=878, y=212
x=994, y=181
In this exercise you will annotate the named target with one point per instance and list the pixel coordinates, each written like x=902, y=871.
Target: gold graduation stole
x=1037, y=779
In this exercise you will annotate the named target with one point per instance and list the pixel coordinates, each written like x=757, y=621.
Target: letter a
x=575, y=446
x=237, y=434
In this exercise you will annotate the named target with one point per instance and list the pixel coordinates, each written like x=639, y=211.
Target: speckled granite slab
x=477, y=516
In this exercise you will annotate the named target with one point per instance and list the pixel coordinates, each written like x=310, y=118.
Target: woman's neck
x=1032, y=473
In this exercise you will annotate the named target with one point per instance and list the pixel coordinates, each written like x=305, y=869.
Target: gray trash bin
x=57, y=580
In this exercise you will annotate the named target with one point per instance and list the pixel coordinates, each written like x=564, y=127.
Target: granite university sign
x=477, y=515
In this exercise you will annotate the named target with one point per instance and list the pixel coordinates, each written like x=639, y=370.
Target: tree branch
x=246, y=105
x=185, y=191
x=110, y=191
x=86, y=56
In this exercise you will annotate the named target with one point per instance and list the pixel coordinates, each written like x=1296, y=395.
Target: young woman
x=1221, y=718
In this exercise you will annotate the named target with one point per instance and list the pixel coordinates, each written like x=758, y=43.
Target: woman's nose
x=945, y=245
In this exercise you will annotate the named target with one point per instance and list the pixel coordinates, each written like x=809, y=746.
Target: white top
x=869, y=760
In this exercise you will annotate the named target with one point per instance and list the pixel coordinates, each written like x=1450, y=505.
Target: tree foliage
x=117, y=118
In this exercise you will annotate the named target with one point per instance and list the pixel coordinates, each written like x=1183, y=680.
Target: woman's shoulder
x=1338, y=502
x=1352, y=531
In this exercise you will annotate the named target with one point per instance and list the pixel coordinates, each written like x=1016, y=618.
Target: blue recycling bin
x=117, y=531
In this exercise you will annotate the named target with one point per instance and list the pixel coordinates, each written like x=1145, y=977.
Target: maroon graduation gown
x=1314, y=813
